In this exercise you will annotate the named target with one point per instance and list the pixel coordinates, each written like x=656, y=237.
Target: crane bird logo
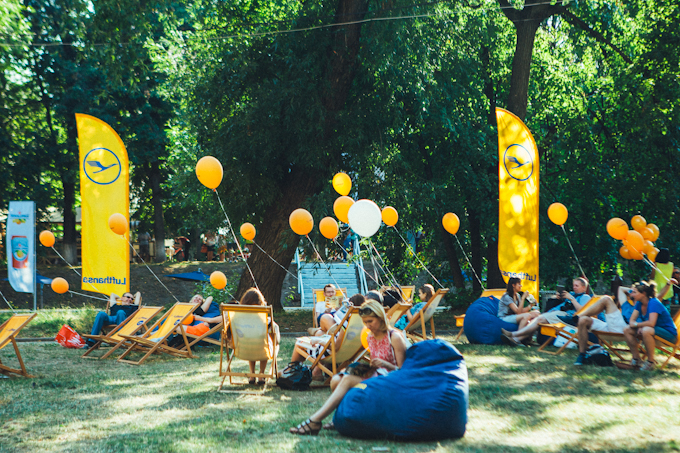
x=101, y=166
x=518, y=162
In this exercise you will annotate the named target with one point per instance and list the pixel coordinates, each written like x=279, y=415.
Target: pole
x=35, y=262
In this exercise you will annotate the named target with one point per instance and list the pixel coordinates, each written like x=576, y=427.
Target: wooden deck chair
x=206, y=336
x=136, y=322
x=397, y=311
x=554, y=331
x=668, y=348
x=248, y=334
x=8, y=333
x=320, y=297
x=348, y=351
x=460, y=319
x=425, y=314
x=407, y=292
x=155, y=339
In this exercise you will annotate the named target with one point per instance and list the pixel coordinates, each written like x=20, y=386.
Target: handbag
x=295, y=376
x=69, y=338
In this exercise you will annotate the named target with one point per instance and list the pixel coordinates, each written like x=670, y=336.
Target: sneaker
x=580, y=359
x=635, y=363
x=510, y=340
x=571, y=320
x=648, y=366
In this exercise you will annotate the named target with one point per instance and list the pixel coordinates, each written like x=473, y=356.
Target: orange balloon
x=451, y=222
x=617, y=228
x=341, y=208
x=558, y=213
x=248, y=231
x=390, y=216
x=652, y=254
x=624, y=252
x=301, y=221
x=46, y=238
x=118, y=223
x=218, y=280
x=655, y=232
x=209, y=172
x=364, y=338
x=635, y=255
x=647, y=233
x=638, y=223
x=635, y=242
x=648, y=247
x=342, y=183
x=329, y=227
x=59, y=285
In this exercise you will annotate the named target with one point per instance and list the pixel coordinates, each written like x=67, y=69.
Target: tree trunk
x=276, y=237
x=155, y=178
x=452, y=257
x=476, y=248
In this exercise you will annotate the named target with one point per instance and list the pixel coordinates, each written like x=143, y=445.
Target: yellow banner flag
x=104, y=190
x=518, y=201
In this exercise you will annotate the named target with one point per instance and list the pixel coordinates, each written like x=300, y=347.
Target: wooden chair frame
x=396, y=311
x=206, y=336
x=114, y=338
x=407, y=292
x=330, y=346
x=11, y=338
x=554, y=331
x=419, y=318
x=149, y=347
x=225, y=346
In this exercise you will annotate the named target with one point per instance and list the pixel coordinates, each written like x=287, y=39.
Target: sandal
x=329, y=426
x=251, y=381
x=260, y=382
x=305, y=428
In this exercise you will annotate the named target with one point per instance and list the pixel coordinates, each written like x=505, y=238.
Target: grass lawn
x=520, y=400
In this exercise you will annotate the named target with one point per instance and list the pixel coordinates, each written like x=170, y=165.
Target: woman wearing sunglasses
x=388, y=350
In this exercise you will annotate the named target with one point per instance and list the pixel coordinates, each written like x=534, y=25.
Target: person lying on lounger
x=121, y=309
x=576, y=299
x=388, y=350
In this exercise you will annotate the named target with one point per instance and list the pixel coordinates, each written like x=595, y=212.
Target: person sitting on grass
x=656, y=320
x=254, y=297
x=577, y=298
x=388, y=351
x=425, y=293
x=121, y=309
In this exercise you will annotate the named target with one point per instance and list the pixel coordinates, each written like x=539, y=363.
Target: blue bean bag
x=427, y=399
x=482, y=325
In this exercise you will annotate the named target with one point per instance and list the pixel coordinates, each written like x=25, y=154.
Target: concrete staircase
x=315, y=276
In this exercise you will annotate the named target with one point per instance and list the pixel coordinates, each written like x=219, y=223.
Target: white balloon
x=365, y=218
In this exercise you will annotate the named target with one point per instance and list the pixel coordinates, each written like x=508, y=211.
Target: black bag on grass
x=295, y=376
x=597, y=355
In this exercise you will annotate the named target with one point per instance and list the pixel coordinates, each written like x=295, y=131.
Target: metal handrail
x=301, y=287
x=360, y=266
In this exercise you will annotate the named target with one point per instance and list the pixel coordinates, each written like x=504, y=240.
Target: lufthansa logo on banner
x=102, y=166
x=518, y=162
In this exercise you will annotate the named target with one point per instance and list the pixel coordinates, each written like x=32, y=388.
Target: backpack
x=597, y=355
x=295, y=376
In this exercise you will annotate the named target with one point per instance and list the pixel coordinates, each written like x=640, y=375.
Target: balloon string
x=573, y=252
x=238, y=243
x=69, y=264
x=147, y=266
x=360, y=264
x=469, y=263
x=328, y=269
x=646, y=259
x=271, y=258
x=384, y=266
x=7, y=302
x=414, y=254
x=74, y=269
x=87, y=295
x=375, y=270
